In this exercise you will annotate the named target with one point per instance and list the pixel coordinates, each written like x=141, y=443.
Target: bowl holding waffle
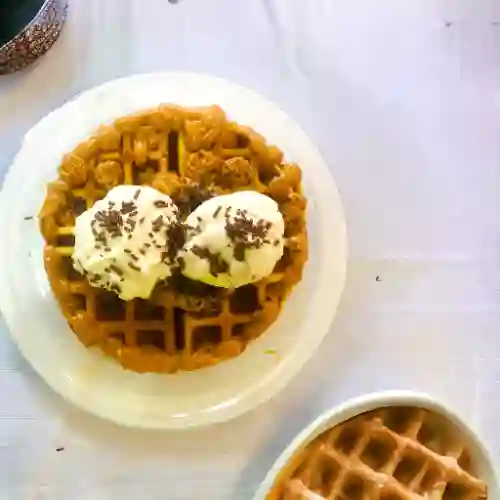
x=387, y=446
x=188, y=352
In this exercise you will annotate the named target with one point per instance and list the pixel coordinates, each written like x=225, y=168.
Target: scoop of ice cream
x=125, y=242
x=233, y=240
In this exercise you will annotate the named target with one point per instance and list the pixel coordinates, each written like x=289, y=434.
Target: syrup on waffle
x=394, y=453
x=190, y=155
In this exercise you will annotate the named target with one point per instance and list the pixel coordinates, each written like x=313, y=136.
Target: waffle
x=396, y=453
x=190, y=155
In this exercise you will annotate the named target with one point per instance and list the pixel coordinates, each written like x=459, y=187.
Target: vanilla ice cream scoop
x=233, y=240
x=125, y=242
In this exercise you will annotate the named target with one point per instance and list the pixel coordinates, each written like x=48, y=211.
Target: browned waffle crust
x=191, y=155
x=396, y=453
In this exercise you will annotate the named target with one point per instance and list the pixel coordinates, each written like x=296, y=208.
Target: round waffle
x=393, y=453
x=191, y=155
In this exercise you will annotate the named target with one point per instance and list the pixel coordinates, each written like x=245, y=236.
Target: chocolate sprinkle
x=189, y=197
x=245, y=233
x=116, y=269
x=175, y=239
x=137, y=194
x=111, y=221
x=133, y=266
x=128, y=207
x=157, y=224
x=239, y=251
x=217, y=264
x=217, y=210
x=161, y=204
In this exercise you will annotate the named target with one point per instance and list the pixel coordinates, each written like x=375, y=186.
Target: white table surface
x=403, y=99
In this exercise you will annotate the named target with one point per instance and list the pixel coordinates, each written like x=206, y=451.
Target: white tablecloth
x=402, y=97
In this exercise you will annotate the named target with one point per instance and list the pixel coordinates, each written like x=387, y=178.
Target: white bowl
x=98, y=384
x=482, y=459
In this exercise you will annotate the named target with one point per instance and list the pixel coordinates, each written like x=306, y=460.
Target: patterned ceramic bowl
x=35, y=38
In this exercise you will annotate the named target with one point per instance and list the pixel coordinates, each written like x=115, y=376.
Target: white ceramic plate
x=482, y=459
x=99, y=385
